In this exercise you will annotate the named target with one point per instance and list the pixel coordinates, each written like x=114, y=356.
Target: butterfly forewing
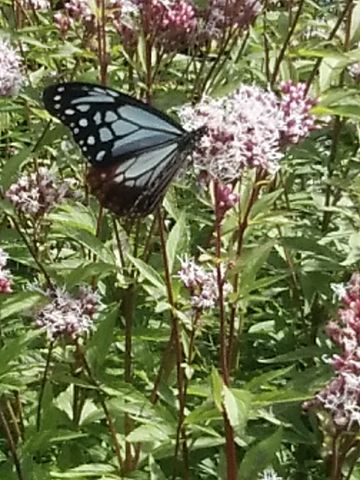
x=135, y=149
x=108, y=125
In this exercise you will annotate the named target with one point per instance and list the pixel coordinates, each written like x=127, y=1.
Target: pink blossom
x=10, y=70
x=37, y=193
x=226, y=198
x=341, y=397
x=296, y=107
x=67, y=315
x=168, y=24
x=172, y=24
x=5, y=277
x=222, y=14
x=243, y=131
x=247, y=129
x=202, y=284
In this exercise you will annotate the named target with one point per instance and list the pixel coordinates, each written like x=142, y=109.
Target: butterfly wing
x=109, y=126
x=131, y=190
x=135, y=150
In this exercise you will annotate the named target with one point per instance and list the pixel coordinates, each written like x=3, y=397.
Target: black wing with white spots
x=109, y=126
x=135, y=149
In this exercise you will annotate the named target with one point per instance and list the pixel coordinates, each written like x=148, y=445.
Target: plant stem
x=108, y=417
x=32, y=252
x=181, y=433
x=11, y=445
x=101, y=38
x=243, y=223
x=128, y=312
x=231, y=464
x=42, y=386
x=286, y=42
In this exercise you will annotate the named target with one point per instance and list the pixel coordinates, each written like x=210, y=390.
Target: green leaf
x=149, y=273
x=90, y=470
x=19, y=303
x=14, y=348
x=150, y=433
x=260, y=456
x=11, y=168
x=176, y=240
x=237, y=406
x=217, y=388
x=155, y=471
x=100, y=342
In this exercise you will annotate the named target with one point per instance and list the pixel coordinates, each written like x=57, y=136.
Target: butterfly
x=134, y=149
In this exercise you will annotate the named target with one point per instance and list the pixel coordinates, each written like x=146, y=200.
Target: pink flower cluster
x=80, y=11
x=202, y=284
x=68, y=316
x=36, y=193
x=341, y=397
x=248, y=129
x=229, y=13
x=10, y=70
x=296, y=109
x=5, y=278
x=225, y=198
x=172, y=24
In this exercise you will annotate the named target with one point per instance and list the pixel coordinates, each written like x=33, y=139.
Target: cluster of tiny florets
x=269, y=474
x=36, y=193
x=296, y=108
x=202, y=284
x=10, y=70
x=75, y=11
x=67, y=315
x=229, y=13
x=354, y=71
x=168, y=24
x=341, y=397
x=172, y=24
x=5, y=277
x=226, y=199
x=247, y=129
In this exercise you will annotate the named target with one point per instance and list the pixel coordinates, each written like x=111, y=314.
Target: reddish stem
x=230, y=449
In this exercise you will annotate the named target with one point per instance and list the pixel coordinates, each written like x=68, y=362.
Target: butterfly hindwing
x=128, y=190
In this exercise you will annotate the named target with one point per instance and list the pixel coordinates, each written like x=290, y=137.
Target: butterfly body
x=134, y=149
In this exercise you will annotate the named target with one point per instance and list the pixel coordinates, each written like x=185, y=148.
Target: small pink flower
x=10, y=70
x=36, y=193
x=202, y=284
x=296, y=107
x=248, y=129
x=67, y=315
x=341, y=397
x=222, y=14
x=5, y=277
x=226, y=198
